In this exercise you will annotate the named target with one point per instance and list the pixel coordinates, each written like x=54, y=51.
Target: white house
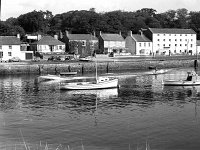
x=48, y=44
x=172, y=41
x=10, y=46
x=138, y=44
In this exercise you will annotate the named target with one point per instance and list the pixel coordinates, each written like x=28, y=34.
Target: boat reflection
x=100, y=94
x=190, y=90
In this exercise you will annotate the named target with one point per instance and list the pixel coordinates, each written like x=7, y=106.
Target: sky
x=14, y=8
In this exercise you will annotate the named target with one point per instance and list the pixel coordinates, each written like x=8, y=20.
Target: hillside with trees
x=88, y=21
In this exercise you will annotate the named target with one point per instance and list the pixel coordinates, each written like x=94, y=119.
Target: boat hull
x=90, y=86
x=181, y=83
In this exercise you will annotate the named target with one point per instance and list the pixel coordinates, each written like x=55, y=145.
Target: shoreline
x=87, y=67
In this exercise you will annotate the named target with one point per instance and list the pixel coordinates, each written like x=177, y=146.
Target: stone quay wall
x=87, y=67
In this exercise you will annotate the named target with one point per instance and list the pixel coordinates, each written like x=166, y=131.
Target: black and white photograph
x=100, y=75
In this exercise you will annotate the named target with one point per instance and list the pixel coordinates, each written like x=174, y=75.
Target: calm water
x=141, y=111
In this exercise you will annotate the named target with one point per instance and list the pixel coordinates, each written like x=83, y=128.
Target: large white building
x=172, y=41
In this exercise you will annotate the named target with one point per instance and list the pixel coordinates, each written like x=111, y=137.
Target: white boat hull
x=90, y=86
x=180, y=83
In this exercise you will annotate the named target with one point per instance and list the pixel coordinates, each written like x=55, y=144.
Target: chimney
x=99, y=32
x=94, y=33
x=130, y=33
x=60, y=35
x=39, y=37
x=55, y=36
x=120, y=33
x=18, y=36
x=66, y=32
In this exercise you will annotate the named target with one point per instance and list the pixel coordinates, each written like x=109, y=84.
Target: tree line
x=88, y=21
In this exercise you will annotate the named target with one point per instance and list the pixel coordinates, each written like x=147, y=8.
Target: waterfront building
x=198, y=46
x=11, y=46
x=111, y=43
x=48, y=44
x=167, y=41
x=138, y=44
x=80, y=44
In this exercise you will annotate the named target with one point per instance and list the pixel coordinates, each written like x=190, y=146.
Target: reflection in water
x=119, y=118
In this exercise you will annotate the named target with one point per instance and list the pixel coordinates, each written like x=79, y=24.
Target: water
x=141, y=111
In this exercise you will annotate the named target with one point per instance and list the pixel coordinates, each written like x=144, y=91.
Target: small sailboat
x=99, y=83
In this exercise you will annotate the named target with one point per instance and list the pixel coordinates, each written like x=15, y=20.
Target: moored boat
x=100, y=83
x=192, y=80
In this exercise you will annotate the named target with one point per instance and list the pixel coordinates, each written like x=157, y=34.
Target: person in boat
x=191, y=75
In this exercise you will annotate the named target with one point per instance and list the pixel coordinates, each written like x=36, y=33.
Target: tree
x=35, y=21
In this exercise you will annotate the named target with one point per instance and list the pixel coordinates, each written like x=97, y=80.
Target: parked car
x=14, y=59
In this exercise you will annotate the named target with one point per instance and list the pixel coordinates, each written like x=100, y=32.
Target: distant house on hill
x=109, y=43
x=80, y=44
x=10, y=46
x=48, y=44
x=138, y=44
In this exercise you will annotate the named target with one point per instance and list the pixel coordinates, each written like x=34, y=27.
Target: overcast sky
x=14, y=8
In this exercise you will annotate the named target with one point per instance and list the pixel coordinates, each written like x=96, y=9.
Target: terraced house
x=172, y=41
x=109, y=43
x=11, y=46
x=138, y=44
x=80, y=44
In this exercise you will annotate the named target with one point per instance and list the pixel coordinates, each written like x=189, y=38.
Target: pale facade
x=172, y=41
x=10, y=46
x=138, y=44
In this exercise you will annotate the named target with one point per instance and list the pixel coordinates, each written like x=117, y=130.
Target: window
x=175, y=44
x=149, y=44
x=163, y=39
x=158, y=44
x=144, y=44
x=164, y=34
x=60, y=47
x=140, y=44
x=180, y=39
x=191, y=45
x=169, y=45
x=169, y=39
x=180, y=44
x=10, y=47
x=191, y=39
x=83, y=43
x=163, y=45
x=185, y=44
x=186, y=35
x=9, y=54
x=175, y=39
x=157, y=34
x=0, y=47
x=158, y=39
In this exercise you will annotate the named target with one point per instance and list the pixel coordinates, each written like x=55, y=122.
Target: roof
x=9, y=40
x=112, y=37
x=198, y=42
x=81, y=37
x=49, y=40
x=140, y=38
x=172, y=31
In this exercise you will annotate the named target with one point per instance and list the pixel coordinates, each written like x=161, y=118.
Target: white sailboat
x=99, y=83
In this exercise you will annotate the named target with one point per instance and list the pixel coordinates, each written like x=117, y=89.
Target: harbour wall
x=87, y=67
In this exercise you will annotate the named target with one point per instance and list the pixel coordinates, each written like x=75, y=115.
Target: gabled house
x=138, y=44
x=48, y=44
x=111, y=43
x=167, y=41
x=10, y=46
x=81, y=44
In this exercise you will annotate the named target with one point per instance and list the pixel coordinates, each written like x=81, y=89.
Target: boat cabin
x=191, y=76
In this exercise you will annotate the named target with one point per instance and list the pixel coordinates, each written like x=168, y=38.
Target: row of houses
x=151, y=41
